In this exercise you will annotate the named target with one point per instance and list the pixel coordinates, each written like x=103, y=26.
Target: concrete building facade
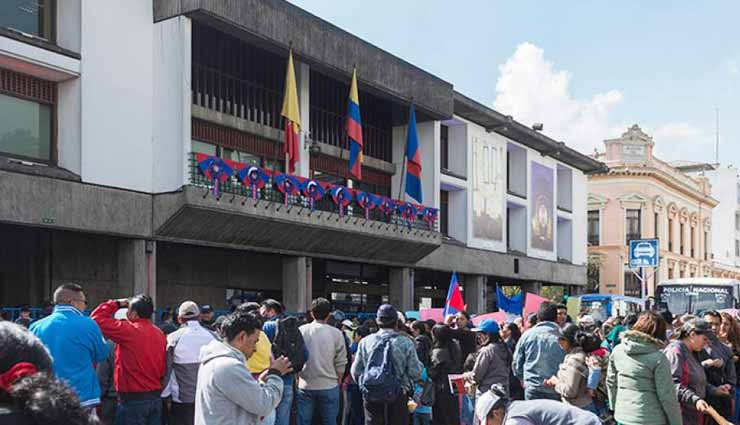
x=642, y=197
x=102, y=186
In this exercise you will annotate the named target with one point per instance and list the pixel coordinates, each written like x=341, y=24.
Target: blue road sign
x=644, y=253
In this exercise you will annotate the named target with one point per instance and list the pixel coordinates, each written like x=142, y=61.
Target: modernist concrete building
x=642, y=197
x=105, y=105
x=725, y=217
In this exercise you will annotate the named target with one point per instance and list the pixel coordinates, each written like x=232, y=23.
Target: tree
x=593, y=270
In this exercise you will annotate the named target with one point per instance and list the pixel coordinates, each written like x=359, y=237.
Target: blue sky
x=586, y=69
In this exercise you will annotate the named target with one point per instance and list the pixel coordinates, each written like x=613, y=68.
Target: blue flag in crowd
x=512, y=305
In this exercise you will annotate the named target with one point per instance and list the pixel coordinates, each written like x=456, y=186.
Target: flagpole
x=403, y=163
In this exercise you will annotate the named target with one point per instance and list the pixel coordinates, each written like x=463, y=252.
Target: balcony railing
x=232, y=187
x=222, y=92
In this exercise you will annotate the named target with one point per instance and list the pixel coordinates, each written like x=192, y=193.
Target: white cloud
x=682, y=140
x=733, y=67
x=531, y=89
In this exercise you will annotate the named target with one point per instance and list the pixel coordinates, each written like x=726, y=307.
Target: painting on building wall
x=542, y=207
x=488, y=190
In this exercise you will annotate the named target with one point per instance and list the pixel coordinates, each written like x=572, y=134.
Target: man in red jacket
x=139, y=358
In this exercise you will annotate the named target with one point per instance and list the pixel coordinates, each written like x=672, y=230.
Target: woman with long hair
x=446, y=360
x=639, y=381
x=729, y=334
x=29, y=392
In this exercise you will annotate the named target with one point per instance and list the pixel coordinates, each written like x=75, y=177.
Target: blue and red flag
x=354, y=129
x=454, y=303
x=408, y=212
x=413, y=159
x=215, y=169
x=287, y=185
x=313, y=191
x=430, y=216
x=341, y=196
x=254, y=177
x=367, y=201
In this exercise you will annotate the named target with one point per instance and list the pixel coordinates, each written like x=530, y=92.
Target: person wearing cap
x=183, y=349
x=493, y=408
x=493, y=364
x=571, y=379
x=688, y=374
x=538, y=355
x=207, y=316
x=405, y=362
x=318, y=383
x=587, y=323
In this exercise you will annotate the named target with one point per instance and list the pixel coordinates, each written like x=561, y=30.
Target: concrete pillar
x=296, y=284
x=303, y=76
x=137, y=268
x=401, y=282
x=476, y=294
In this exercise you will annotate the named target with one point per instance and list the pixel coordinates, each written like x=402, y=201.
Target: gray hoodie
x=227, y=394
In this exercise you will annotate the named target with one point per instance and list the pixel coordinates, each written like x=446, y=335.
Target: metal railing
x=233, y=187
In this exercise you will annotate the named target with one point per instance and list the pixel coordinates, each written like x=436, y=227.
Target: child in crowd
x=423, y=399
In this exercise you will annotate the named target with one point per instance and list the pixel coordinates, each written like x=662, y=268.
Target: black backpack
x=289, y=342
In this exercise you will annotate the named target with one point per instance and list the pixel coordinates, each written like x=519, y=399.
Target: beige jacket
x=572, y=377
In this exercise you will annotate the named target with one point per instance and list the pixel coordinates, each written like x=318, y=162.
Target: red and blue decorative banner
x=313, y=191
x=287, y=185
x=254, y=177
x=215, y=169
x=430, y=216
x=387, y=205
x=367, y=201
x=408, y=212
x=341, y=196
x=454, y=303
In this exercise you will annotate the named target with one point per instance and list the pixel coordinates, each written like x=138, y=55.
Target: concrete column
x=296, y=283
x=476, y=293
x=137, y=268
x=303, y=75
x=402, y=288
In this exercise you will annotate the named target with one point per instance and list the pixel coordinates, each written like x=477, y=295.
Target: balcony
x=271, y=223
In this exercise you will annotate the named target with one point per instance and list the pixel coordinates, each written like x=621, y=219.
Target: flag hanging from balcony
x=354, y=129
x=254, y=177
x=215, y=169
x=413, y=159
x=292, y=116
x=454, y=303
x=341, y=196
x=366, y=201
x=408, y=212
x=313, y=191
x=430, y=216
x=387, y=205
x=288, y=185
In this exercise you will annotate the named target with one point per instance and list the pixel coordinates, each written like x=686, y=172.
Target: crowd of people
x=258, y=365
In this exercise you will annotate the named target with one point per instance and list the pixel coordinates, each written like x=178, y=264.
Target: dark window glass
x=670, y=235
x=445, y=147
x=682, y=237
x=632, y=285
x=35, y=17
x=633, y=225
x=706, y=246
x=657, y=225
x=25, y=128
x=593, y=227
x=444, y=213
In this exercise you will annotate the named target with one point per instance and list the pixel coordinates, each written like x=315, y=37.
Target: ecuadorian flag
x=413, y=159
x=354, y=129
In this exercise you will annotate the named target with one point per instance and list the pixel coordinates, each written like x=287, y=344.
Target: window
x=444, y=213
x=682, y=237
x=633, y=225
x=593, y=227
x=238, y=156
x=632, y=285
x=737, y=221
x=25, y=128
x=693, y=232
x=444, y=147
x=31, y=17
x=657, y=225
x=670, y=234
x=670, y=273
x=737, y=248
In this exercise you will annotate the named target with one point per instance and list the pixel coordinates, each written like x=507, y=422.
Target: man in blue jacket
x=75, y=343
x=538, y=355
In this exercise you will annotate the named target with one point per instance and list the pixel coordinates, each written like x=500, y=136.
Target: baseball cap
x=206, y=308
x=587, y=320
x=188, y=310
x=488, y=326
x=348, y=323
x=387, y=314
